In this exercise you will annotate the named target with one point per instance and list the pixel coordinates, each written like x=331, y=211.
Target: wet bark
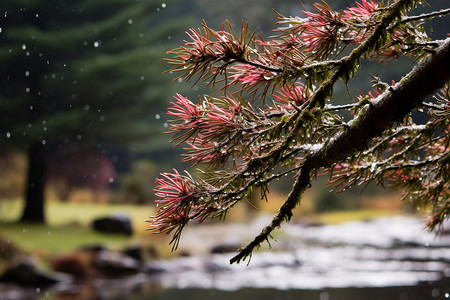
x=401, y=99
x=36, y=179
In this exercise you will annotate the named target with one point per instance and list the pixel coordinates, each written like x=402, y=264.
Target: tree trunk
x=34, y=198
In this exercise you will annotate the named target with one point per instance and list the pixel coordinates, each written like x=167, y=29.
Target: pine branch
x=323, y=158
x=402, y=98
x=405, y=96
x=304, y=139
x=285, y=213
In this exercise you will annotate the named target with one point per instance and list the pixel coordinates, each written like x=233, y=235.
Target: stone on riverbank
x=25, y=273
x=120, y=224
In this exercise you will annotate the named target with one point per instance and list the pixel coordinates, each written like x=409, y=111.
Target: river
x=385, y=258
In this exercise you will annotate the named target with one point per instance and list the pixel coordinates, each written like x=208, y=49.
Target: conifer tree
x=83, y=72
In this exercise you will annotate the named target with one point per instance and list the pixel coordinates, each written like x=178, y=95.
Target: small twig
x=432, y=106
x=441, y=12
x=339, y=107
x=267, y=68
x=416, y=164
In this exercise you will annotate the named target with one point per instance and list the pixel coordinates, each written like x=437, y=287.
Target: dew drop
x=324, y=296
x=435, y=293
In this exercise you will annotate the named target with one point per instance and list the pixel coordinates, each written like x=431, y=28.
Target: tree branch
x=441, y=12
x=319, y=159
x=401, y=99
x=285, y=213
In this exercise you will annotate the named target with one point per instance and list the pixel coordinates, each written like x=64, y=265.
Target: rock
x=398, y=243
x=225, y=248
x=25, y=273
x=8, y=250
x=214, y=266
x=75, y=264
x=134, y=252
x=156, y=267
x=94, y=248
x=114, y=224
x=115, y=264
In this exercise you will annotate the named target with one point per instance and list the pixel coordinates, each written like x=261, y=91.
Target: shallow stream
x=387, y=258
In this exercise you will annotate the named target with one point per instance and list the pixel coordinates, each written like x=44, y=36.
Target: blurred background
x=83, y=109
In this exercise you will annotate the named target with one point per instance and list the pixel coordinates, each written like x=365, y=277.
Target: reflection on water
x=148, y=290
x=423, y=291
x=389, y=258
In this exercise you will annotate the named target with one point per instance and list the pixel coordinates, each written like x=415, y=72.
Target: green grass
x=63, y=213
x=46, y=239
x=337, y=217
x=68, y=227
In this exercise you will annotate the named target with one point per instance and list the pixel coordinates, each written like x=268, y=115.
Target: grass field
x=64, y=213
x=68, y=227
